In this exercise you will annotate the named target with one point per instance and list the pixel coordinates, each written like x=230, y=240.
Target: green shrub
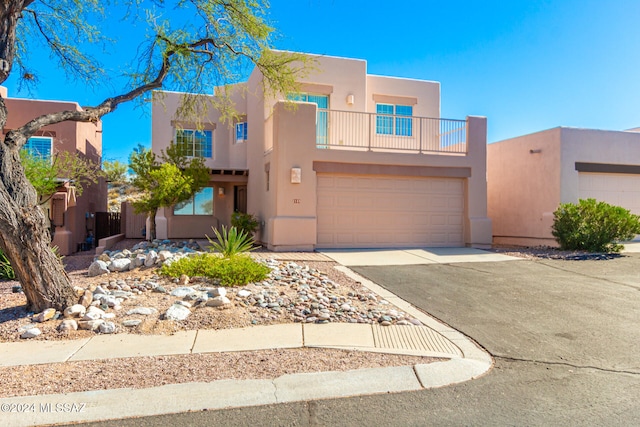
x=240, y=270
x=6, y=271
x=245, y=222
x=231, y=242
x=234, y=271
x=593, y=226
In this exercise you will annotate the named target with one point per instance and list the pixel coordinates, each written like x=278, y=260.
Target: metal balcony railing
x=359, y=131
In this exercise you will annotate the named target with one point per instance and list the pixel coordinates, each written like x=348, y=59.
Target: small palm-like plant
x=231, y=242
x=6, y=271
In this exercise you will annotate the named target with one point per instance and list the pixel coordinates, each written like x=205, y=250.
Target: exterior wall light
x=296, y=175
x=351, y=99
x=220, y=191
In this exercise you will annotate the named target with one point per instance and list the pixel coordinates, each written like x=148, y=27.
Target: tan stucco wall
x=524, y=187
x=594, y=146
x=75, y=137
x=226, y=154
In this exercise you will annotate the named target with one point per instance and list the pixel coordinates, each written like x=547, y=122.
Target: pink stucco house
x=363, y=161
x=72, y=216
x=530, y=175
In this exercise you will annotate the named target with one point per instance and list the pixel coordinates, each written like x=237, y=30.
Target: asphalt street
x=565, y=336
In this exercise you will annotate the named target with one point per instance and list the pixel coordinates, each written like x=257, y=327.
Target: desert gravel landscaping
x=321, y=295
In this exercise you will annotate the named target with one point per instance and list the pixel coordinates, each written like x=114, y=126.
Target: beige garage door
x=361, y=211
x=614, y=188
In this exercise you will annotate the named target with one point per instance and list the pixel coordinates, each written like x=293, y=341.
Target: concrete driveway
x=412, y=256
x=565, y=335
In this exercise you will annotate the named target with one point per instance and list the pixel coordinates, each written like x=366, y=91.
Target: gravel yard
x=321, y=294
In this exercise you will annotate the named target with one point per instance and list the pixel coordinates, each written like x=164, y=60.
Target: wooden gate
x=107, y=224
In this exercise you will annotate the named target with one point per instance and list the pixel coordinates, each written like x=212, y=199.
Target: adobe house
x=71, y=216
x=530, y=175
x=362, y=161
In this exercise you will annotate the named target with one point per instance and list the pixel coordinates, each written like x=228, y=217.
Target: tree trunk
x=152, y=225
x=24, y=235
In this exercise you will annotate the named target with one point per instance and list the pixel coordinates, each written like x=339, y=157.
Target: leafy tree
x=191, y=46
x=115, y=171
x=167, y=182
x=46, y=174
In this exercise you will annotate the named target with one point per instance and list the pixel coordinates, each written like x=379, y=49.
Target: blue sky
x=526, y=65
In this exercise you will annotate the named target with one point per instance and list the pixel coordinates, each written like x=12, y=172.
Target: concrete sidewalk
x=464, y=361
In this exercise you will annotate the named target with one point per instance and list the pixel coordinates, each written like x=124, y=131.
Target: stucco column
x=293, y=223
x=162, y=232
x=479, y=226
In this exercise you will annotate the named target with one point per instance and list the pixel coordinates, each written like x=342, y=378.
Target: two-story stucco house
x=71, y=216
x=363, y=161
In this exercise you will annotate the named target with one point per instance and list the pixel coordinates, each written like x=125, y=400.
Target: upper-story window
x=241, y=132
x=322, y=118
x=394, y=119
x=39, y=146
x=195, y=143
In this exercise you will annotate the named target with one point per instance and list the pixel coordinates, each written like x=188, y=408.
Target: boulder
x=219, y=301
x=45, y=315
x=182, y=292
x=31, y=333
x=121, y=264
x=68, y=325
x=98, y=268
x=177, y=312
x=76, y=310
x=151, y=259
x=107, y=328
x=90, y=325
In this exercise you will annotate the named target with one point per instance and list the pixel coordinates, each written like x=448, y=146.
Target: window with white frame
x=394, y=119
x=200, y=203
x=39, y=146
x=241, y=132
x=195, y=143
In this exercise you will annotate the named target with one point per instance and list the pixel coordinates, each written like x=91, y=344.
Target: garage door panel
x=615, y=189
x=373, y=211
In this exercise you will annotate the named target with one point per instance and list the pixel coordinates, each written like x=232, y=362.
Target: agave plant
x=231, y=242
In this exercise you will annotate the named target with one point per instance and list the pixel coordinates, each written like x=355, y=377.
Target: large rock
x=45, y=315
x=182, y=292
x=151, y=259
x=131, y=323
x=164, y=255
x=90, y=325
x=139, y=260
x=93, y=313
x=121, y=264
x=177, y=312
x=217, y=292
x=68, y=325
x=98, y=268
x=31, y=333
x=87, y=298
x=220, y=301
x=107, y=328
x=76, y=310
x=144, y=311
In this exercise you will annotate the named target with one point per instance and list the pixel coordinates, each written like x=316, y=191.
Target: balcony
x=346, y=130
